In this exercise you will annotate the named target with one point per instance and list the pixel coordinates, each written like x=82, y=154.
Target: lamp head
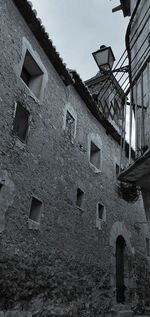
x=104, y=58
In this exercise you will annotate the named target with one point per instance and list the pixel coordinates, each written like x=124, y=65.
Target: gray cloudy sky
x=79, y=27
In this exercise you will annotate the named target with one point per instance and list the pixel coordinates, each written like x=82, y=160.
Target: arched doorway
x=120, y=287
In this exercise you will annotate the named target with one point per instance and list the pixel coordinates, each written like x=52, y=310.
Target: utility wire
x=131, y=47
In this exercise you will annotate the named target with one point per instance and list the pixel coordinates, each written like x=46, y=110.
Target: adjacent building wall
x=139, y=39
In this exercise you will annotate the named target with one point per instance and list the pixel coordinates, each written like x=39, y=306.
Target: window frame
x=96, y=140
x=34, y=72
x=94, y=150
x=26, y=46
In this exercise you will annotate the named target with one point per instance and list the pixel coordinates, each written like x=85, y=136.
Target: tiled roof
x=102, y=78
x=35, y=25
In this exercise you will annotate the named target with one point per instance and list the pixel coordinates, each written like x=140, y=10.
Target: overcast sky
x=79, y=27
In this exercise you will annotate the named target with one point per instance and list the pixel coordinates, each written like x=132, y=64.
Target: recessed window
x=21, y=122
x=1, y=185
x=100, y=216
x=117, y=169
x=100, y=211
x=70, y=125
x=35, y=210
x=147, y=247
x=95, y=155
x=80, y=194
x=31, y=74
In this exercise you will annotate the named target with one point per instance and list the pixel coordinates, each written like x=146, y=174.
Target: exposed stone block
x=126, y=313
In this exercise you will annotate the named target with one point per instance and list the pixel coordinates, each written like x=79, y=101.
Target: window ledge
x=81, y=209
x=33, y=225
x=32, y=95
x=99, y=223
x=148, y=258
x=20, y=144
x=95, y=169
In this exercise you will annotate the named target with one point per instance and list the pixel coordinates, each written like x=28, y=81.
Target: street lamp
x=105, y=58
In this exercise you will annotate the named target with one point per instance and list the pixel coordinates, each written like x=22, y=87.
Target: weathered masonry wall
x=55, y=243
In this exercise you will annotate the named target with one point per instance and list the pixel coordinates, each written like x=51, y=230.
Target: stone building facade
x=64, y=230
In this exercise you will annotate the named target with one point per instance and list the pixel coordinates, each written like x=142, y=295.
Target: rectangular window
x=21, y=122
x=147, y=247
x=100, y=211
x=70, y=125
x=80, y=194
x=35, y=210
x=95, y=154
x=31, y=74
x=1, y=185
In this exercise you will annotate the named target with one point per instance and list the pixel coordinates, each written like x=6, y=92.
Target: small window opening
x=100, y=211
x=31, y=74
x=70, y=125
x=95, y=155
x=1, y=185
x=80, y=195
x=21, y=122
x=117, y=169
x=35, y=210
x=147, y=247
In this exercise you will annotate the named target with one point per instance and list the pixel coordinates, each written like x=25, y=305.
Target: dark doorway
x=120, y=287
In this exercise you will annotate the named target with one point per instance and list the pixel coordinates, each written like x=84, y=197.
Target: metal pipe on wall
x=124, y=128
x=136, y=123
x=130, y=127
x=123, y=133
x=142, y=113
x=148, y=85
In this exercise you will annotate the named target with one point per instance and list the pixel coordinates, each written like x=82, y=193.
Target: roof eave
x=42, y=37
x=125, y=4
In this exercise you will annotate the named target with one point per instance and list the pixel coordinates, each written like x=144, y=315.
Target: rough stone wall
x=66, y=260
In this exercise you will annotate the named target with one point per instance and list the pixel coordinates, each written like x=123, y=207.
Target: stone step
x=125, y=313
x=15, y=313
x=120, y=307
x=121, y=313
